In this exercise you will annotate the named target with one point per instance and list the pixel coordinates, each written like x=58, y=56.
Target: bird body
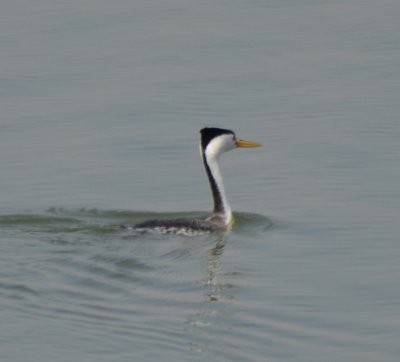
x=213, y=142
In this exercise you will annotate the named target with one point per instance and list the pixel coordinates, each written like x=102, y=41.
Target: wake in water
x=95, y=221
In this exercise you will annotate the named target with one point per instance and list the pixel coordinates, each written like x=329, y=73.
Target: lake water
x=101, y=104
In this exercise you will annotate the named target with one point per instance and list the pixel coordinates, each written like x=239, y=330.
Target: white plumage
x=213, y=142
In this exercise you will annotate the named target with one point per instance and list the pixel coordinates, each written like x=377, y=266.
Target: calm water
x=100, y=110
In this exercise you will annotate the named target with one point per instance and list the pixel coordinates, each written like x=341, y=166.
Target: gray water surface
x=100, y=108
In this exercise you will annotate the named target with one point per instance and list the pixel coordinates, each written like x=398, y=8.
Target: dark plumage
x=208, y=134
x=213, y=142
x=176, y=226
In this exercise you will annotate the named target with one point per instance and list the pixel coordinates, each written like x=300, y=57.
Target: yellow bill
x=247, y=144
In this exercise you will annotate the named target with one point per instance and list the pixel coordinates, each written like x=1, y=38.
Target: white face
x=220, y=144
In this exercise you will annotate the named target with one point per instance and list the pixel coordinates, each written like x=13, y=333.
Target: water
x=100, y=110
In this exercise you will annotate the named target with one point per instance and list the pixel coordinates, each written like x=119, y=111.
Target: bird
x=213, y=142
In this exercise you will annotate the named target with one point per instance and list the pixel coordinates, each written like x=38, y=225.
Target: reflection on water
x=217, y=294
x=101, y=103
x=98, y=274
x=213, y=264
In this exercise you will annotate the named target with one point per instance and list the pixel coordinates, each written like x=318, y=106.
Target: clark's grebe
x=213, y=142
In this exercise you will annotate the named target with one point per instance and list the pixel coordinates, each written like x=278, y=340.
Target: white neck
x=224, y=210
x=222, y=213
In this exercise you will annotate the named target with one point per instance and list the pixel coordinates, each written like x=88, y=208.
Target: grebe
x=213, y=142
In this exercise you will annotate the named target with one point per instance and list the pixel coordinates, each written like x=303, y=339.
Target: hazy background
x=100, y=108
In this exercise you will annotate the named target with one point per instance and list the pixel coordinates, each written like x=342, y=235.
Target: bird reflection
x=213, y=268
